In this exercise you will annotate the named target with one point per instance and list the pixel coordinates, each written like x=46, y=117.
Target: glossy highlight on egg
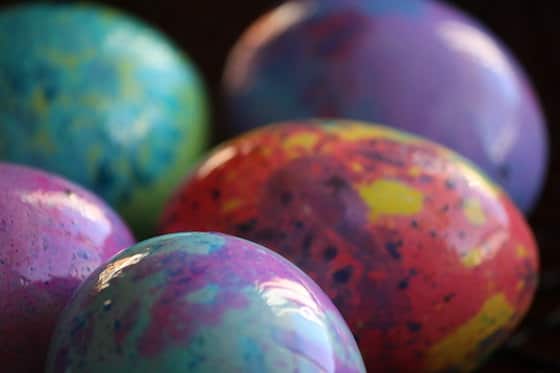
x=201, y=302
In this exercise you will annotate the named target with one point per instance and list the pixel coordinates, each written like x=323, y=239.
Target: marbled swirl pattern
x=201, y=302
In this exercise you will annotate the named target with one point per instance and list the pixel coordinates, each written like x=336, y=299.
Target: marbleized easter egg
x=201, y=302
x=101, y=98
x=53, y=234
x=417, y=65
x=429, y=262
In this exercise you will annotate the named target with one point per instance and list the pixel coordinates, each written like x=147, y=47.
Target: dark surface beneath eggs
x=207, y=30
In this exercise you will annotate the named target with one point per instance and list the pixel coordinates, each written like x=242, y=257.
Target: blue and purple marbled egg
x=201, y=302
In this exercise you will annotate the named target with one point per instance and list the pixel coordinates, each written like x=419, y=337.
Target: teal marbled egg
x=201, y=303
x=103, y=99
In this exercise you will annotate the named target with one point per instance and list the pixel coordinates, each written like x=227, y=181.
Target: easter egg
x=431, y=264
x=101, y=98
x=53, y=234
x=420, y=66
x=201, y=302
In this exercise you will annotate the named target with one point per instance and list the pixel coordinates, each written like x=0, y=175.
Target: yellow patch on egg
x=473, y=211
x=357, y=131
x=301, y=141
x=521, y=251
x=473, y=258
x=458, y=349
x=388, y=197
x=231, y=205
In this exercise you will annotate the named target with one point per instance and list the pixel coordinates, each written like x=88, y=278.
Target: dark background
x=206, y=30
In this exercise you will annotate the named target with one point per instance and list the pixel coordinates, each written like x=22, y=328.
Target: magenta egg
x=53, y=234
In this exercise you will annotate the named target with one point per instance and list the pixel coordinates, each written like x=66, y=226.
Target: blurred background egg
x=430, y=263
x=101, y=98
x=417, y=65
x=53, y=234
x=201, y=302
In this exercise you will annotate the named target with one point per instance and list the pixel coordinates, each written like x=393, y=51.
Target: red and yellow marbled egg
x=429, y=262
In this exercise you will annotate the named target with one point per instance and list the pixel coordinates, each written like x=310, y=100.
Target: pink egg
x=53, y=234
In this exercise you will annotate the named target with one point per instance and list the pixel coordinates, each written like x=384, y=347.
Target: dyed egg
x=201, y=302
x=53, y=234
x=430, y=264
x=420, y=66
x=102, y=99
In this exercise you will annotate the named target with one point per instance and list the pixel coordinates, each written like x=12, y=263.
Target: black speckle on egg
x=377, y=156
x=403, y=284
x=342, y=276
x=269, y=235
x=247, y=226
x=306, y=245
x=448, y=297
x=286, y=198
x=337, y=183
x=215, y=194
x=414, y=327
x=330, y=253
x=393, y=248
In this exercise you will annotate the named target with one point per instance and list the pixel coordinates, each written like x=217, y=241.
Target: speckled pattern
x=430, y=263
x=102, y=99
x=418, y=65
x=53, y=234
x=201, y=302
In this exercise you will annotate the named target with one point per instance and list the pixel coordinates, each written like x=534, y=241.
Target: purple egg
x=53, y=234
x=420, y=66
